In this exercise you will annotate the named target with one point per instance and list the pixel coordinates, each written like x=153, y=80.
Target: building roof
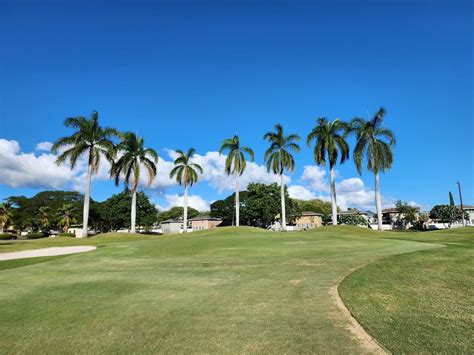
x=395, y=210
x=204, y=218
x=356, y=211
x=467, y=207
x=171, y=221
x=309, y=213
x=353, y=211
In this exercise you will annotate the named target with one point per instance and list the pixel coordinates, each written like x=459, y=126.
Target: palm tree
x=134, y=156
x=44, y=216
x=278, y=158
x=66, y=216
x=92, y=140
x=186, y=175
x=330, y=143
x=6, y=216
x=235, y=164
x=374, y=142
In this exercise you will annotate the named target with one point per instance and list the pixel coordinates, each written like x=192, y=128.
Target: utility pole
x=460, y=200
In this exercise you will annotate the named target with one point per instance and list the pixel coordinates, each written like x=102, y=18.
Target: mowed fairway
x=225, y=291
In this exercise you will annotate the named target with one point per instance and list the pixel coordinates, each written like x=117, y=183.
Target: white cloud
x=44, y=146
x=315, y=177
x=18, y=169
x=300, y=192
x=213, y=165
x=194, y=201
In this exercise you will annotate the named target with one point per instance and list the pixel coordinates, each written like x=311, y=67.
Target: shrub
x=36, y=235
x=6, y=236
x=67, y=235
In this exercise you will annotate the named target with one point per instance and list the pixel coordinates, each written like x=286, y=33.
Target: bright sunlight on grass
x=239, y=290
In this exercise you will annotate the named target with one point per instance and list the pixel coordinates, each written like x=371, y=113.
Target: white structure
x=171, y=226
x=469, y=210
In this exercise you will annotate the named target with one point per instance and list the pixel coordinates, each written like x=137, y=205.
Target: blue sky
x=192, y=73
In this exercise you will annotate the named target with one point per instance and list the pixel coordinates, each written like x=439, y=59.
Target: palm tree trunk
x=85, y=214
x=378, y=201
x=333, y=196
x=283, y=207
x=237, y=201
x=134, y=211
x=185, y=222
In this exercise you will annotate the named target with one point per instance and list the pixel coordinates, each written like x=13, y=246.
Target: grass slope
x=224, y=291
x=421, y=301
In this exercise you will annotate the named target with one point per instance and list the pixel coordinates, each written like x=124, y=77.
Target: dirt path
x=45, y=252
x=365, y=340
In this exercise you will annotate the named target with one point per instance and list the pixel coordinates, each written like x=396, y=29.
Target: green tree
x=235, y=165
x=224, y=209
x=66, y=217
x=353, y=219
x=406, y=212
x=45, y=214
x=330, y=144
x=185, y=172
x=6, y=216
x=117, y=208
x=91, y=140
x=176, y=213
x=315, y=205
x=278, y=158
x=446, y=214
x=375, y=143
x=133, y=156
x=262, y=207
x=451, y=199
x=25, y=209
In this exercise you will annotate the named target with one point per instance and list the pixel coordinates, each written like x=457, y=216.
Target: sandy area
x=45, y=252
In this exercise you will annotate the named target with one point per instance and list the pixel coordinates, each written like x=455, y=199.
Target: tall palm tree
x=6, y=216
x=330, y=143
x=66, y=216
x=375, y=143
x=235, y=164
x=91, y=140
x=278, y=159
x=44, y=213
x=133, y=156
x=185, y=172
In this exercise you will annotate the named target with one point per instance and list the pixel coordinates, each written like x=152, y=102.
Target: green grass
x=224, y=291
x=419, y=301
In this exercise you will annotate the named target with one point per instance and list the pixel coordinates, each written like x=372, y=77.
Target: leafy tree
x=25, y=209
x=235, y=164
x=315, y=205
x=176, y=213
x=185, y=173
x=353, y=219
x=375, y=143
x=45, y=214
x=278, y=159
x=451, y=199
x=406, y=212
x=89, y=139
x=116, y=211
x=446, y=214
x=261, y=206
x=330, y=144
x=134, y=156
x=66, y=216
x=6, y=216
x=224, y=209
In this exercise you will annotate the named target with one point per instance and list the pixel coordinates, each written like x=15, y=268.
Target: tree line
x=128, y=156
